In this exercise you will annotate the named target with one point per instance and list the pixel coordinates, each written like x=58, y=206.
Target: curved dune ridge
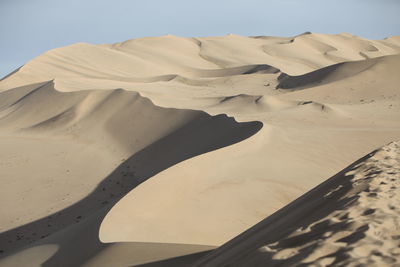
x=94, y=119
x=350, y=219
x=155, y=151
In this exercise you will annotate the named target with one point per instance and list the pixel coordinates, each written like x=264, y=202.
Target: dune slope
x=151, y=149
x=350, y=219
x=94, y=147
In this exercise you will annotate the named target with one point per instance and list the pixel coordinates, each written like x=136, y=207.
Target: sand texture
x=352, y=219
x=156, y=151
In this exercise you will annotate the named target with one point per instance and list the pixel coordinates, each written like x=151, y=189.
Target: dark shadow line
x=204, y=134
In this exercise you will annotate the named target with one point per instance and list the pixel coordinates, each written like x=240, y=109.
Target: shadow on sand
x=309, y=211
x=75, y=229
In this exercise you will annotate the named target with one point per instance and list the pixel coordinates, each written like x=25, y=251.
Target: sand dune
x=152, y=151
x=350, y=219
x=76, y=122
x=313, y=138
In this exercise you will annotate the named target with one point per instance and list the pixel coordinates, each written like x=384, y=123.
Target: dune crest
x=164, y=142
x=350, y=219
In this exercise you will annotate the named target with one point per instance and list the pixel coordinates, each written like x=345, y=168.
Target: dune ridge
x=159, y=59
x=175, y=145
x=69, y=114
x=350, y=219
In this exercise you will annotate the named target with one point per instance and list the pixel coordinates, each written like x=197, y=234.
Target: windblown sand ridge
x=129, y=142
x=351, y=219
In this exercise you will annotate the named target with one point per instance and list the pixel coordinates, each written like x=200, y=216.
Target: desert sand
x=156, y=151
x=352, y=219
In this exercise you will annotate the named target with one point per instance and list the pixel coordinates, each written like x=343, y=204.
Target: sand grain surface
x=155, y=151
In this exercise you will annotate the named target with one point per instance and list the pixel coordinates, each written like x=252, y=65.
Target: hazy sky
x=31, y=27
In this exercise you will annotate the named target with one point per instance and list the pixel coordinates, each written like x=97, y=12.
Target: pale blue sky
x=31, y=27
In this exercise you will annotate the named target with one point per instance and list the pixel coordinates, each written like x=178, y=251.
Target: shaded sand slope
x=371, y=80
x=303, y=140
x=67, y=129
x=160, y=59
x=84, y=127
x=81, y=137
x=351, y=219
